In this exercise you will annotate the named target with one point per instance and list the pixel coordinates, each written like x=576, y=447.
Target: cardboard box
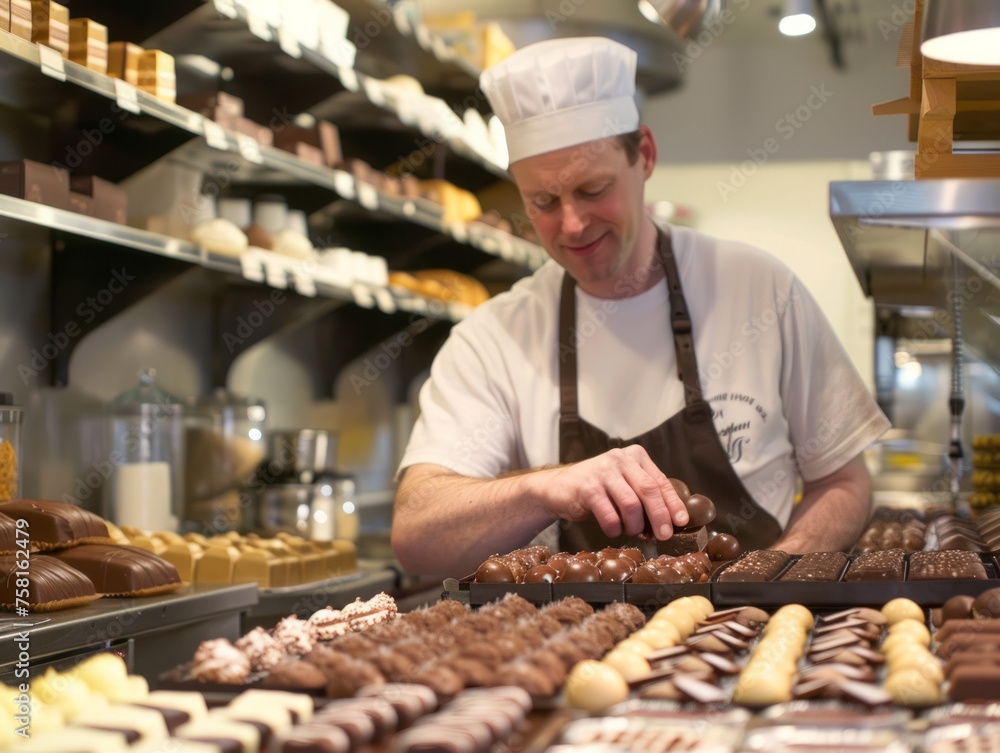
x=34, y=181
x=108, y=201
x=5, y=15
x=50, y=25
x=156, y=74
x=20, y=18
x=323, y=136
x=88, y=44
x=123, y=61
x=223, y=108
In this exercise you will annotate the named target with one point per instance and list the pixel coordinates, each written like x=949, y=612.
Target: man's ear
x=647, y=151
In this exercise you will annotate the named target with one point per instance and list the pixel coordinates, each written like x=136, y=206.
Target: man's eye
x=595, y=192
x=543, y=205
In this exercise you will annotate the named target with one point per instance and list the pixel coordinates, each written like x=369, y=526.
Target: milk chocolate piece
x=947, y=565
x=8, y=534
x=974, y=683
x=53, y=523
x=51, y=584
x=123, y=61
x=121, y=570
x=20, y=18
x=684, y=542
x=824, y=567
x=953, y=627
x=33, y=181
x=108, y=201
x=885, y=565
x=700, y=510
x=698, y=690
x=989, y=658
x=756, y=566
x=987, y=605
x=957, y=608
x=156, y=74
x=864, y=692
x=723, y=547
x=88, y=44
x=50, y=25
x=968, y=641
x=313, y=738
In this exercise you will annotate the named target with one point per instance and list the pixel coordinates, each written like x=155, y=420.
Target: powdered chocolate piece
x=824, y=567
x=51, y=584
x=121, y=570
x=57, y=524
x=946, y=565
x=755, y=566
x=882, y=565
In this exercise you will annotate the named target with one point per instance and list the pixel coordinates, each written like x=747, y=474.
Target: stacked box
x=20, y=18
x=224, y=109
x=108, y=201
x=323, y=137
x=156, y=74
x=88, y=44
x=123, y=61
x=50, y=25
x=5, y=15
x=43, y=184
x=985, y=470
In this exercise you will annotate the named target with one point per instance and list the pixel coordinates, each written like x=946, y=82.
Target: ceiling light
x=962, y=31
x=797, y=19
x=649, y=12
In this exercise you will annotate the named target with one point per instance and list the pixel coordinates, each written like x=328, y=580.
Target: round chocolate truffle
x=558, y=561
x=957, y=608
x=580, y=571
x=494, y=571
x=609, y=553
x=633, y=554
x=541, y=574
x=700, y=509
x=681, y=488
x=615, y=570
x=647, y=573
x=588, y=557
x=723, y=547
x=987, y=605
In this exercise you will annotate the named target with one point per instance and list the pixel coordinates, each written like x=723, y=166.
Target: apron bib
x=685, y=446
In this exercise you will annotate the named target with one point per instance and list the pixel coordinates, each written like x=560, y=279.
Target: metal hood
x=659, y=43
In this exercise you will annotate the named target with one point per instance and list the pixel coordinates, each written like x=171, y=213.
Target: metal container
x=304, y=453
x=320, y=511
x=11, y=417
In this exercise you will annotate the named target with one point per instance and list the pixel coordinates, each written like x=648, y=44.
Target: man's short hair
x=630, y=143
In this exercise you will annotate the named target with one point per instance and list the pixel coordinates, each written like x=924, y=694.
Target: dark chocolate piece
x=51, y=583
x=700, y=510
x=987, y=605
x=723, y=547
x=53, y=523
x=681, y=488
x=974, y=683
x=684, y=542
x=755, y=566
x=580, y=571
x=824, y=567
x=946, y=565
x=120, y=570
x=885, y=565
x=699, y=691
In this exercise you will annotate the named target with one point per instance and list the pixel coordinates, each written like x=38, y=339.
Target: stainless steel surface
x=687, y=17
x=108, y=620
x=320, y=511
x=902, y=238
x=528, y=21
x=313, y=450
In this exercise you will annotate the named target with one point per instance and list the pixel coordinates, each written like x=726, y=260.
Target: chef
x=641, y=352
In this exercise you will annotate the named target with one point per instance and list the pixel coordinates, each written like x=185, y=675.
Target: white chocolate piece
x=297, y=703
x=217, y=729
x=913, y=628
x=290, y=243
x=798, y=612
x=631, y=665
x=594, y=686
x=147, y=722
x=658, y=636
x=901, y=609
x=74, y=739
x=278, y=718
x=188, y=701
x=102, y=672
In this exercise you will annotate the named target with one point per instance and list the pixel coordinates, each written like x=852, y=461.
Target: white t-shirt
x=786, y=398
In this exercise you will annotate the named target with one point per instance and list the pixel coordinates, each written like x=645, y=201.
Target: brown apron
x=685, y=446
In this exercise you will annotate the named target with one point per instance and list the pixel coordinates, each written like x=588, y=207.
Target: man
x=638, y=353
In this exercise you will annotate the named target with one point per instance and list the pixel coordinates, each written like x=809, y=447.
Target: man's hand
x=622, y=488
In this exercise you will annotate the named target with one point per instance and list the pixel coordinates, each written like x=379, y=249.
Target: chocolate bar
x=50, y=25
x=108, y=201
x=51, y=584
x=756, y=566
x=975, y=683
x=121, y=570
x=684, y=542
x=33, y=181
x=57, y=524
x=946, y=565
x=817, y=566
x=886, y=564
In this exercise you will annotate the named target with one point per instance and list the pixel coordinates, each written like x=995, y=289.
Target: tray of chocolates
x=833, y=579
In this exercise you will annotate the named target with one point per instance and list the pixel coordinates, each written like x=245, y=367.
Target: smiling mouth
x=588, y=248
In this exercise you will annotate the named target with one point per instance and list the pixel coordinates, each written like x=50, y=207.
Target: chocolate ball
x=957, y=608
x=700, y=509
x=615, y=570
x=633, y=554
x=681, y=488
x=987, y=605
x=541, y=574
x=590, y=557
x=494, y=571
x=647, y=573
x=723, y=547
x=580, y=571
x=609, y=553
x=558, y=561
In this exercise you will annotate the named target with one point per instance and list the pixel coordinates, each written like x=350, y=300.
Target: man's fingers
x=606, y=515
x=628, y=497
x=674, y=507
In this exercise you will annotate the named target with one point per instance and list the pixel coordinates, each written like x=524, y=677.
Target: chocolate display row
x=55, y=187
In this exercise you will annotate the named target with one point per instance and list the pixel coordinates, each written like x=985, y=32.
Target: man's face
x=586, y=204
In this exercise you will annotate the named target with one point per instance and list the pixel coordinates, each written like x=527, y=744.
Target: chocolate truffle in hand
x=681, y=488
x=494, y=571
x=723, y=547
x=701, y=511
x=541, y=574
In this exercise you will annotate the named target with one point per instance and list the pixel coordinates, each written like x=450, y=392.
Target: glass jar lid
x=146, y=397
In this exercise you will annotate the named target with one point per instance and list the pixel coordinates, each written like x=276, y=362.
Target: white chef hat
x=563, y=92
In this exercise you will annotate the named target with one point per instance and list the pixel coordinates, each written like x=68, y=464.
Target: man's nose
x=574, y=220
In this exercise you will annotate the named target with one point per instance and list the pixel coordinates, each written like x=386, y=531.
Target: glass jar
x=224, y=438
x=11, y=417
x=147, y=442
